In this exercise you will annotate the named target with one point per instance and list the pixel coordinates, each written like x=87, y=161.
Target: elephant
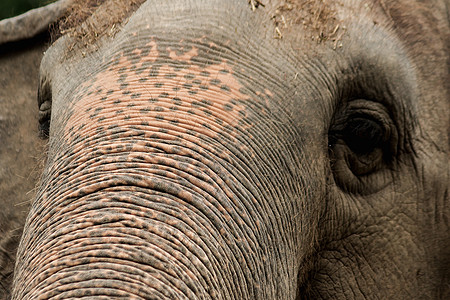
x=262, y=149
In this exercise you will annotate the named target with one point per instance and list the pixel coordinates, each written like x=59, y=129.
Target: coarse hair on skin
x=316, y=16
x=87, y=20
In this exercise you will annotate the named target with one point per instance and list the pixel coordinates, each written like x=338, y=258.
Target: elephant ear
x=23, y=40
x=31, y=23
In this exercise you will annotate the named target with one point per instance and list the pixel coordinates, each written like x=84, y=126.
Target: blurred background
x=10, y=8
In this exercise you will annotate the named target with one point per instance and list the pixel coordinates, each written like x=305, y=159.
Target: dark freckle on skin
x=135, y=95
x=170, y=75
x=215, y=81
x=228, y=107
x=77, y=138
x=196, y=104
x=206, y=102
x=158, y=84
x=122, y=77
x=176, y=100
x=191, y=132
x=177, y=68
x=225, y=88
x=176, y=149
x=189, y=76
x=116, y=101
x=153, y=73
x=204, y=73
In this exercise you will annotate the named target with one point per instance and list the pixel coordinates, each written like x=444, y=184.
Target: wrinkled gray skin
x=194, y=156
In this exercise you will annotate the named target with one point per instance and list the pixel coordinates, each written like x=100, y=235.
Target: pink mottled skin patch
x=203, y=99
x=186, y=56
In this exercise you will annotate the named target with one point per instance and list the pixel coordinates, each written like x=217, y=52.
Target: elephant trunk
x=122, y=242
x=152, y=220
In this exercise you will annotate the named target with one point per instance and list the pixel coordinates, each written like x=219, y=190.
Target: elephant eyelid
x=45, y=106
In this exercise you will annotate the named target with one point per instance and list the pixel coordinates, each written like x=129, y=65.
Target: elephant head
x=243, y=150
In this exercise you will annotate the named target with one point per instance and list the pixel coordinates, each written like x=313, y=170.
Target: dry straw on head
x=87, y=20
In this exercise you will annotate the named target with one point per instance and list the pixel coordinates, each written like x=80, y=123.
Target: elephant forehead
x=147, y=87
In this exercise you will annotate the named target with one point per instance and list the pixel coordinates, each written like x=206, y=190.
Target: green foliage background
x=10, y=8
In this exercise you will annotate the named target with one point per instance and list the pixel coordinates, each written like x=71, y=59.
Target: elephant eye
x=362, y=141
x=362, y=135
